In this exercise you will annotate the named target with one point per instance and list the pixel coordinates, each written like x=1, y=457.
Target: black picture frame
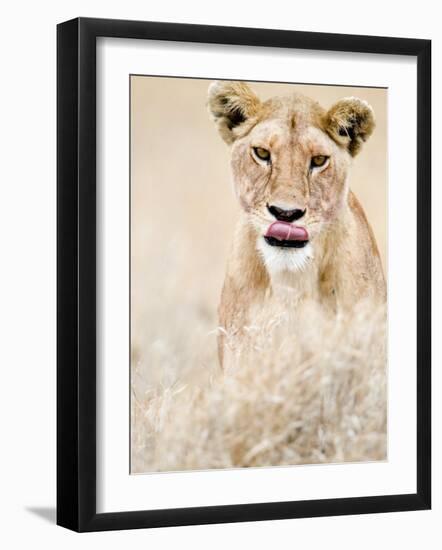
x=77, y=287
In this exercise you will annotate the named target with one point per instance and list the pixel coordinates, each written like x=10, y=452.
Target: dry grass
x=295, y=396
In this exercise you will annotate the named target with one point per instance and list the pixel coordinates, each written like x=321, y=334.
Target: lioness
x=302, y=234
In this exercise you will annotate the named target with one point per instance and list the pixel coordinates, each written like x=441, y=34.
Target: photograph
x=243, y=274
x=258, y=274
x=220, y=322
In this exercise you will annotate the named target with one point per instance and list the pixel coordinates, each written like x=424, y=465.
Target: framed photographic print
x=243, y=274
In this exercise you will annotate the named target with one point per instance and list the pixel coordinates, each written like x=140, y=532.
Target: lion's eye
x=318, y=161
x=262, y=154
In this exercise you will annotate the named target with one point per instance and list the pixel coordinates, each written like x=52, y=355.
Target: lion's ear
x=231, y=104
x=350, y=122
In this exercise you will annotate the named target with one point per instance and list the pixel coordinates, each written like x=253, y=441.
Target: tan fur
x=342, y=264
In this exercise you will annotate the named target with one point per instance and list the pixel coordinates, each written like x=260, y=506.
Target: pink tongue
x=284, y=231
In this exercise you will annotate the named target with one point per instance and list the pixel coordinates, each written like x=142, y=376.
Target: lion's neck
x=305, y=275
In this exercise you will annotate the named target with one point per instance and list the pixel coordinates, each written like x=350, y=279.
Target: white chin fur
x=277, y=259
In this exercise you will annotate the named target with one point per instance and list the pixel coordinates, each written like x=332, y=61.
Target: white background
x=27, y=299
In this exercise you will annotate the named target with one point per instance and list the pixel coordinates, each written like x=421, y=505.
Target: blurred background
x=183, y=214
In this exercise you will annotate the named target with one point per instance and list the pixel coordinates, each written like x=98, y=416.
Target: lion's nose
x=285, y=215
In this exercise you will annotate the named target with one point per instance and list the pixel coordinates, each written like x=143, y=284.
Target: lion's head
x=290, y=160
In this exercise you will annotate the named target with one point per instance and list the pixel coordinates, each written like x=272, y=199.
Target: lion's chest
x=286, y=295
x=289, y=289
